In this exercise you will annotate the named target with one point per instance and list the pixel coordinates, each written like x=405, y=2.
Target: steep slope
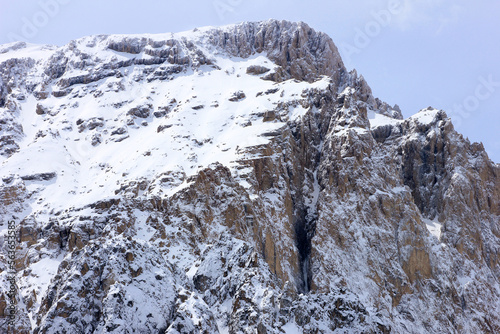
x=236, y=179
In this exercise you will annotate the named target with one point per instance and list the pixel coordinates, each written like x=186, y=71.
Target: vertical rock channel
x=304, y=231
x=307, y=147
x=305, y=224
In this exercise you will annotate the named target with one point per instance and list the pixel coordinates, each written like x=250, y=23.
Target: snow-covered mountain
x=235, y=180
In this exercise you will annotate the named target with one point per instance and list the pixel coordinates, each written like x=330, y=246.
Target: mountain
x=235, y=179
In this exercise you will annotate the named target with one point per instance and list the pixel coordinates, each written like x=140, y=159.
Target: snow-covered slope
x=236, y=179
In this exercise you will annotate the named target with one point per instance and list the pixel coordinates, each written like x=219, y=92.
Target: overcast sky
x=439, y=53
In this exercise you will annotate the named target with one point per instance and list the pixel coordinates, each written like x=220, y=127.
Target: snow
x=29, y=50
x=225, y=308
x=434, y=227
x=377, y=119
x=345, y=131
x=143, y=230
x=425, y=116
x=216, y=129
x=38, y=281
x=291, y=328
x=44, y=270
x=194, y=268
x=400, y=189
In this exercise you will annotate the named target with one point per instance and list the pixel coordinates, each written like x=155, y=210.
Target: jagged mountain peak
x=236, y=179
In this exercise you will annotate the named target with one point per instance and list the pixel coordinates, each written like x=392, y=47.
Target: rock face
x=236, y=179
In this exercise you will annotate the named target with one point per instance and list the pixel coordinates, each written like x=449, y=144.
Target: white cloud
x=436, y=14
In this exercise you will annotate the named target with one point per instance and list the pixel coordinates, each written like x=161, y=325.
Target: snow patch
x=425, y=116
x=434, y=227
x=291, y=328
x=38, y=281
x=376, y=119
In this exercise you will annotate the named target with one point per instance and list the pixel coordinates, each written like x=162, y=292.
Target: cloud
x=435, y=14
x=456, y=12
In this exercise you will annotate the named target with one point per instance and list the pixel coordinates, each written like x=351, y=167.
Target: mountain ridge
x=239, y=179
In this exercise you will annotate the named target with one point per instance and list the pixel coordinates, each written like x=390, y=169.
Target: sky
x=439, y=53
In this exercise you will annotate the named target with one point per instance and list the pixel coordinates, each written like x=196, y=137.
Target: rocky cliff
x=235, y=180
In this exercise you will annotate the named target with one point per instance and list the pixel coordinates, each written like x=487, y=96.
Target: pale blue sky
x=439, y=53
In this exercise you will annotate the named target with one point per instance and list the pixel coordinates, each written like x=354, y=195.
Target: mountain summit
x=235, y=179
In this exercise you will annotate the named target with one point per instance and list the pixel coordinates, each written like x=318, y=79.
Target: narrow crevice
x=304, y=230
x=306, y=192
x=304, y=248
